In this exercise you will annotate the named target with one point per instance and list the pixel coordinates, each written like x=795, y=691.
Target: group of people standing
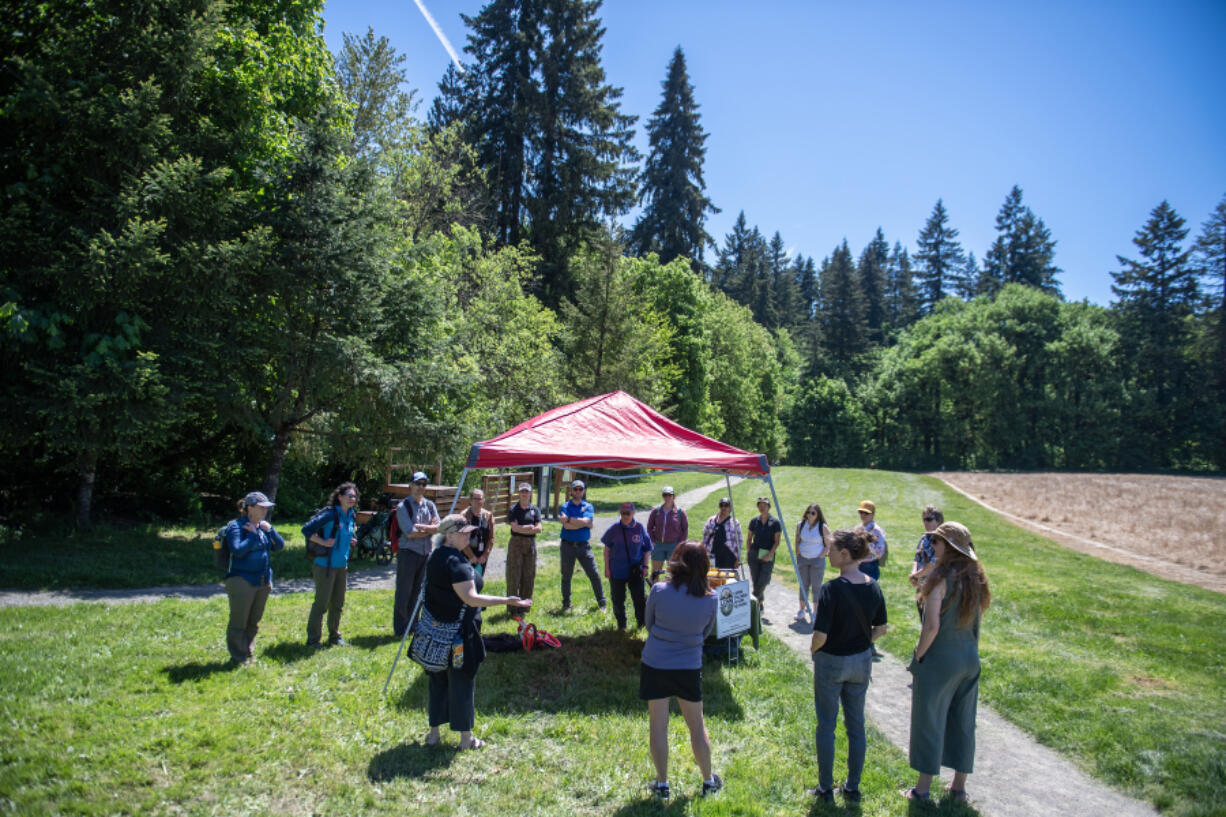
x=441, y=565
x=952, y=593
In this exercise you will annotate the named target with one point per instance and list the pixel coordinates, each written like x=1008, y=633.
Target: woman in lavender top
x=680, y=615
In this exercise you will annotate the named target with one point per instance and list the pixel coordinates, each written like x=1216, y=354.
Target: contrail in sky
x=442, y=38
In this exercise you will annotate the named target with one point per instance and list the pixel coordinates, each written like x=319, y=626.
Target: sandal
x=477, y=743
x=957, y=795
x=914, y=794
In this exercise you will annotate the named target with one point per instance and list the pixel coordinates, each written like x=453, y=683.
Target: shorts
x=661, y=552
x=685, y=684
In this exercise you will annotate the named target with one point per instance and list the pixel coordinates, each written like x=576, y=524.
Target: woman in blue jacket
x=333, y=530
x=250, y=539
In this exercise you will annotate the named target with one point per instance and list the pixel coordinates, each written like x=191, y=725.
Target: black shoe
x=713, y=787
x=339, y=641
x=660, y=790
x=822, y=794
x=314, y=645
x=850, y=795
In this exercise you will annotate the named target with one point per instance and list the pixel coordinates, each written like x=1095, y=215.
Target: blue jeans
x=840, y=678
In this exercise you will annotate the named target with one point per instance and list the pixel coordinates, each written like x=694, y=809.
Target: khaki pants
x=246, y=609
x=329, y=596
x=521, y=569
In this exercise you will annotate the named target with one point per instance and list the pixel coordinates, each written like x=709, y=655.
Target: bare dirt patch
x=1174, y=527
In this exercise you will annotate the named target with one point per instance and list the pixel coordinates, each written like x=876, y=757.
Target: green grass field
x=1120, y=670
x=131, y=710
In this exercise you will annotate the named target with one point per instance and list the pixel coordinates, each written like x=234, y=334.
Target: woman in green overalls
x=945, y=667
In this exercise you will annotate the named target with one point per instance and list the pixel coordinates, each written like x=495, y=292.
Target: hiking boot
x=337, y=641
x=712, y=787
x=659, y=790
x=314, y=645
x=850, y=795
x=822, y=794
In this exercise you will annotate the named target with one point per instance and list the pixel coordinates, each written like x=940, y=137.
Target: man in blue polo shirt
x=576, y=516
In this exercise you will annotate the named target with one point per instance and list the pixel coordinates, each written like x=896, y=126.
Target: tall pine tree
x=872, y=268
x=1022, y=253
x=580, y=141
x=1211, y=258
x=843, y=312
x=1155, y=296
x=371, y=74
x=672, y=190
x=901, y=296
x=940, y=259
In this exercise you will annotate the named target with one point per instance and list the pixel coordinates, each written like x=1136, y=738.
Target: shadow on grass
x=196, y=671
x=408, y=760
x=589, y=674
x=288, y=652
x=374, y=642
x=649, y=805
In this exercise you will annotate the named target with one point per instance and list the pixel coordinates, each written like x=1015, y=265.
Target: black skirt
x=685, y=684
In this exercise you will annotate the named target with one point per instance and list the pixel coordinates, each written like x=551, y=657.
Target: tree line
x=231, y=257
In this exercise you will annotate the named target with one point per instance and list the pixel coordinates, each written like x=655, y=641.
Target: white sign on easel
x=732, y=617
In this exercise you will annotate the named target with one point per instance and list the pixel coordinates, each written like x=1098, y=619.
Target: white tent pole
x=459, y=490
x=787, y=539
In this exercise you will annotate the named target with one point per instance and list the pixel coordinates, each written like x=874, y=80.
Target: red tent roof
x=612, y=431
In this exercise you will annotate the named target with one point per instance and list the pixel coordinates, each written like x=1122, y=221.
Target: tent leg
x=459, y=490
x=728, y=487
x=788, y=540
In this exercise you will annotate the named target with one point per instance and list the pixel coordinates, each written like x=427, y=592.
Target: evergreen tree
x=1211, y=257
x=1155, y=295
x=371, y=75
x=843, y=314
x=804, y=272
x=782, y=306
x=672, y=190
x=940, y=259
x=969, y=279
x=1023, y=251
x=495, y=99
x=450, y=106
x=901, y=298
x=735, y=259
x=872, y=269
x=580, y=141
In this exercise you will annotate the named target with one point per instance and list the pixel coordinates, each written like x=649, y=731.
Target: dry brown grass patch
x=1179, y=521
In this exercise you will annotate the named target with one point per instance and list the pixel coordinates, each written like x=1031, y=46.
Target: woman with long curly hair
x=945, y=667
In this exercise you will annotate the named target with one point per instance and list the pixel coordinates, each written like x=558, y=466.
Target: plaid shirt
x=925, y=553
x=732, y=540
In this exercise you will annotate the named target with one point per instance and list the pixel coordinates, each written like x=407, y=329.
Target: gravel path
x=1014, y=775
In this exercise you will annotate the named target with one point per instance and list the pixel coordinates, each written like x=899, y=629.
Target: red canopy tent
x=613, y=431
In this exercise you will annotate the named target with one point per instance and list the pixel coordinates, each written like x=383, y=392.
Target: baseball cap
x=257, y=498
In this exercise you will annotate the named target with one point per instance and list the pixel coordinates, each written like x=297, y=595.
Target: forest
x=233, y=259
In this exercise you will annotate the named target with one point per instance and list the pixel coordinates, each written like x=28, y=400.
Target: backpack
x=314, y=551
x=221, y=549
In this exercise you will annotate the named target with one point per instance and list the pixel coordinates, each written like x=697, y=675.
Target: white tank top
x=809, y=541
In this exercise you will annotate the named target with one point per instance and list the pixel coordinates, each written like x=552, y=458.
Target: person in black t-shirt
x=525, y=521
x=453, y=590
x=764, y=533
x=850, y=616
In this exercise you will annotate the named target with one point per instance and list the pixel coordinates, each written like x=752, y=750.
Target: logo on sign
x=725, y=601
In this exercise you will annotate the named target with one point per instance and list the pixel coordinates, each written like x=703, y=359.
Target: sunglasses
x=930, y=519
x=724, y=505
x=351, y=495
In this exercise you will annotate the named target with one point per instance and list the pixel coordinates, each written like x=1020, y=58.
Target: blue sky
x=829, y=119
